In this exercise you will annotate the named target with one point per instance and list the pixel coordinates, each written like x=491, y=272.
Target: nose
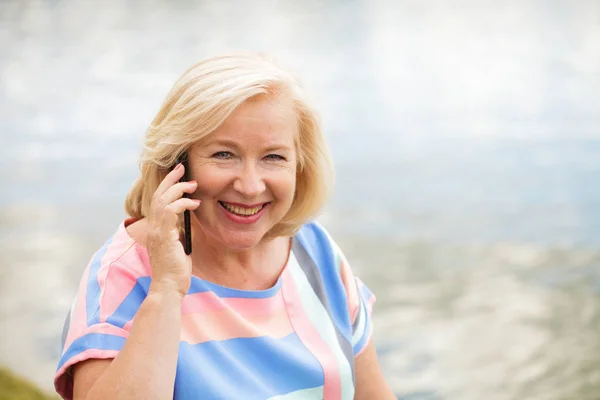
x=249, y=181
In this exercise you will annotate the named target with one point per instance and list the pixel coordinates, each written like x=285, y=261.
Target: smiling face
x=246, y=172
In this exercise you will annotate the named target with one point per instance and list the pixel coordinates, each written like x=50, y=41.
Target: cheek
x=211, y=180
x=284, y=186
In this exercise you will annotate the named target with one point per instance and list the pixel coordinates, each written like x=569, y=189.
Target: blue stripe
x=130, y=305
x=92, y=298
x=365, y=333
x=99, y=341
x=200, y=285
x=366, y=293
x=317, y=244
x=245, y=368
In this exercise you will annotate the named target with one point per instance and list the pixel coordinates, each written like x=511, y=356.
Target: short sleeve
x=360, y=301
x=348, y=300
x=112, y=288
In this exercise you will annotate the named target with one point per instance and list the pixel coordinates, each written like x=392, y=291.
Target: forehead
x=264, y=120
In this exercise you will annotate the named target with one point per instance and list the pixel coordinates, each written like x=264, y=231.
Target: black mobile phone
x=187, y=230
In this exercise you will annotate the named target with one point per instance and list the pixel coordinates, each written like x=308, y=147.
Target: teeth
x=241, y=210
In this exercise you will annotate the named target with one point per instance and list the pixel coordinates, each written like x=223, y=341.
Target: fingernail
x=178, y=167
x=193, y=182
x=197, y=201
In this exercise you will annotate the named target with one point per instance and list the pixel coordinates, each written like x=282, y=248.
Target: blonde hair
x=201, y=100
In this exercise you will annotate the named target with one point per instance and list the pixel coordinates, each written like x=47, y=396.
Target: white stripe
x=304, y=394
x=360, y=328
x=339, y=255
x=67, y=329
x=72, y=311
x=318, y=316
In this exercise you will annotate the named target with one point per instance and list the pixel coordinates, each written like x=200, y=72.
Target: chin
x=241, y=240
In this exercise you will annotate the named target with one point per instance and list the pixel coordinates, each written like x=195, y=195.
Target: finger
x=177, y=190
x=179, y=206
x=172, y=178
x=159, y=204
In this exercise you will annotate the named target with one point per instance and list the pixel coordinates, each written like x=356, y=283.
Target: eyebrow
x=234, y=145
x=222, y=142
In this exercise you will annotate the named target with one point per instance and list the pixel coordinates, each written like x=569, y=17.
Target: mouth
x=243, y=211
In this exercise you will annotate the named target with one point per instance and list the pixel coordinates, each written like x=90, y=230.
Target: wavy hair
x=202, y=99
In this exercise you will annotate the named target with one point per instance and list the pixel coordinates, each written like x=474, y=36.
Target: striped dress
x=296, y=340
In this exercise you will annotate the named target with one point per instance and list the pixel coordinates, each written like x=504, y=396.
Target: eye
x=223, y=155
x=275, y=157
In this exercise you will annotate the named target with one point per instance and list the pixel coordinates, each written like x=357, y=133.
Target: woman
x=265, y=306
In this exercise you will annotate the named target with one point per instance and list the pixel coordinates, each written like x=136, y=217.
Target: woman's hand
x=171, y=267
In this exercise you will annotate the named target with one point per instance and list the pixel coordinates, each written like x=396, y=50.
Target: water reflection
x=465, y=140
x=497, y=321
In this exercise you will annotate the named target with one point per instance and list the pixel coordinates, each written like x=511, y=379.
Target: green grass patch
x=13, y=387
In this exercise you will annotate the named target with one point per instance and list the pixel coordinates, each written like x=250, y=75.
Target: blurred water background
x=466, y=136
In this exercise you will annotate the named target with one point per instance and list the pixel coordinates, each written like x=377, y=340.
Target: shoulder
x=121, y=250
x=315, y=246
x=314, y=237
x=136, y=229
x=348, y=301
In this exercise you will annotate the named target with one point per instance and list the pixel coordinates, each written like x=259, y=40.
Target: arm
x=350, y=296
x=369, y=380
x=145, y=367
x=370, y=383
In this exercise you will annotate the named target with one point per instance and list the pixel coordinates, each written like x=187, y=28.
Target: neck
x=255, y=268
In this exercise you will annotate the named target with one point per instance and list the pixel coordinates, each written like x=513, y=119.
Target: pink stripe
x=121, y=275
x=118, y=246
x=142, y=253
x=107, y=329
x=128, y=325
x=78, y=320
x=63, y=383
x=308, y=334
x=246, y=307
x=122, y=265
x=224, y=324
x=99, y=328
x=351, y=289
x=142, y=266
x=111, y=300
x=138, y=261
